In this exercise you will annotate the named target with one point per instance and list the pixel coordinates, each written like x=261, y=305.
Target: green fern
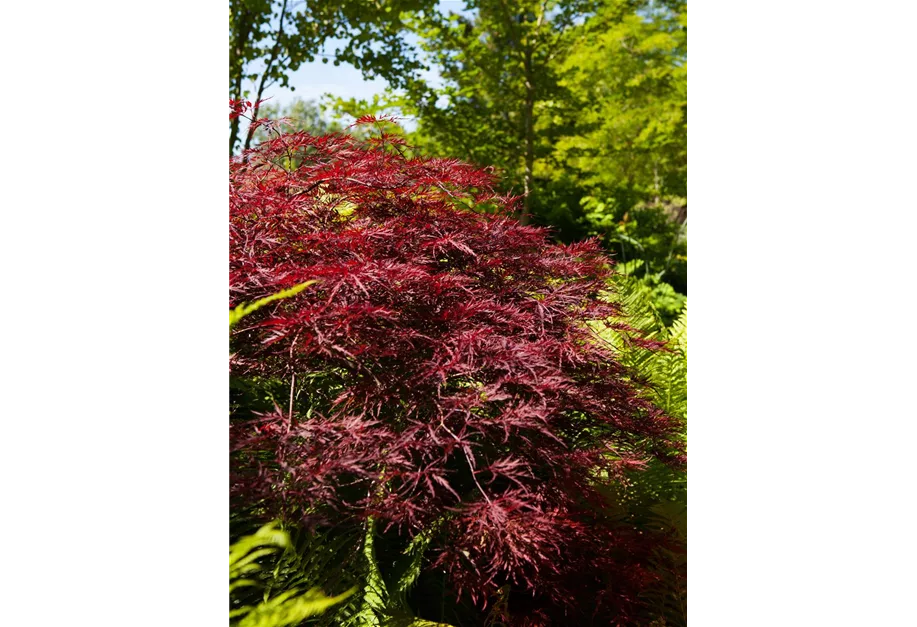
x=346, y=557
x=656, y=499
x=669, y=597
x=290, y=607
x=374, y=595
x=665, y=372
x=679, y=329
x=386, y=605
x=246, y=308
x=409, y=567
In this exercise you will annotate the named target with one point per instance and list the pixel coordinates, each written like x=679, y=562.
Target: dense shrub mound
x=440, y=377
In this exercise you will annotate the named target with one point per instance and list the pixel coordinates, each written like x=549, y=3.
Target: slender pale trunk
x=237, y=68
x=256, y=110
x=656, y=199
x=235, y=94
x=265, y=76
x=528, y=120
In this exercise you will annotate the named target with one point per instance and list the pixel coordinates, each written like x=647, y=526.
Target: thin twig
x=292, y=388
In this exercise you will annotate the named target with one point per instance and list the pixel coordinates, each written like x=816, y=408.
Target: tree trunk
x=240, y=36
x=255, y=111
x=275, y=52
x=528, y=120
x=656, y=198
x=235, y=93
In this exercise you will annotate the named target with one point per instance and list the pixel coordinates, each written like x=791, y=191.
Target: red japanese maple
x=452, y=381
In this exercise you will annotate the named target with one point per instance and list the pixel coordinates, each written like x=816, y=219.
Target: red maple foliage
x=454, y=383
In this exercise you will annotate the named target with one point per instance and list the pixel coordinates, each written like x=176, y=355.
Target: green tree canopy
x=498, y=72
x=270, y=39
x=626, y=77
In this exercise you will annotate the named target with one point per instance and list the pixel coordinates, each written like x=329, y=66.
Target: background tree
x=269, y=39
x=582, y=109
x=625, y=136
x=626, y=115
x=299, y=115
x=498, y=71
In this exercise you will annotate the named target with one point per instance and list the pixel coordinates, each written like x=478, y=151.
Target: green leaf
x=375, y=594
x=289, y=608
x=244, y=309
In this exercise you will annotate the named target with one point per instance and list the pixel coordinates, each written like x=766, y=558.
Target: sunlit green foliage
x=657, y=498
x=270, y=39
x=286, y=607
x=246, y=308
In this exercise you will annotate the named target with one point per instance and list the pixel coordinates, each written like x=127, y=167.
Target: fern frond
x=246, y=308
x=674, y=367
x=409, y=567
x=382, y=598
x=656, y=498
x=665, y=372
x=318, y=559
x=639, y=315
x=243, y=553
x=679, y=329
x=669, y=596
x=375, y=595
x=291, y=606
